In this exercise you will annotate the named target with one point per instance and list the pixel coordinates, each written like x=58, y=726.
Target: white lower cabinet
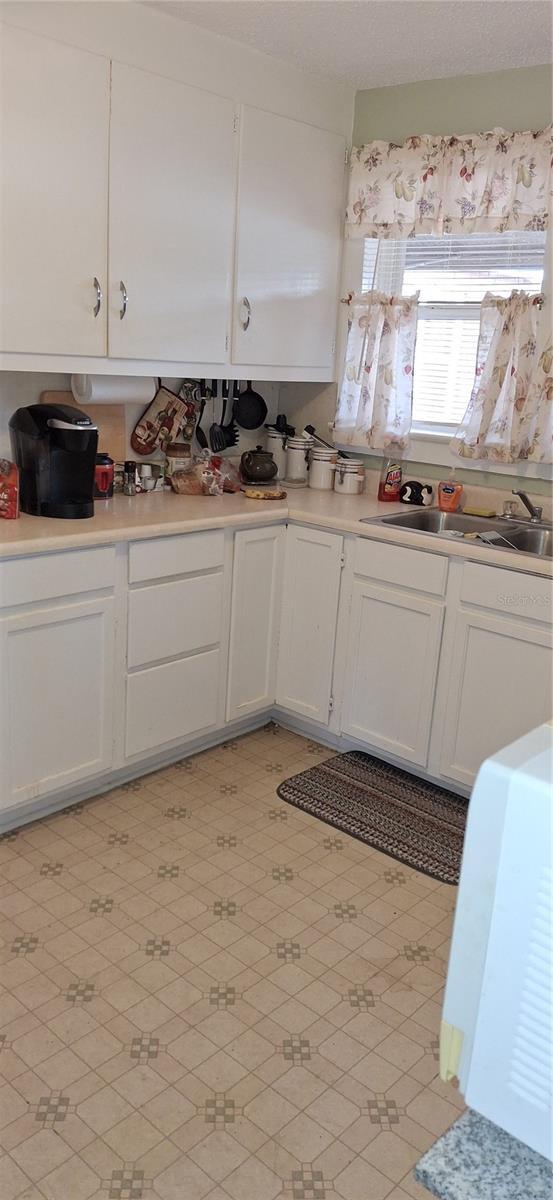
x=312, y=572
x=56, y=725
x=498, y=674
x=255, y=610
x=99, y=673
x=174, y=633
x=391, y=669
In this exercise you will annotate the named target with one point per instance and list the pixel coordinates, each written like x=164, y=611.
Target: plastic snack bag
x=9, y=490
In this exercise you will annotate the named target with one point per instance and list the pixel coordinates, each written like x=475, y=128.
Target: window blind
x=452, y=275
x=461, y=270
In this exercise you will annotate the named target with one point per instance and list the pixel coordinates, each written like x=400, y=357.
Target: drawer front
x=414, y=569
x=171, y=702
x=46, y=576
x=174, y=618
x=184, y=554
x=511, y=592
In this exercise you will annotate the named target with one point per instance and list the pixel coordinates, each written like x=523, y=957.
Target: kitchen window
x=452, y=275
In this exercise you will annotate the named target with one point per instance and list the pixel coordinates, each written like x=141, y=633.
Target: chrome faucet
x=535, y=512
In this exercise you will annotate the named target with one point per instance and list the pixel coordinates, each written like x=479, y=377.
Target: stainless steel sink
x=431, y=520
x=507, y=535
x=535, y=539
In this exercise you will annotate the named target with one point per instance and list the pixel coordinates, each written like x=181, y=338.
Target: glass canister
x=322, y=465
x=349, y=478
x=276, y=444
x=297, y=460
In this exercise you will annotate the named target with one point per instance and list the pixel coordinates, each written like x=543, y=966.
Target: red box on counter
x=9, y=489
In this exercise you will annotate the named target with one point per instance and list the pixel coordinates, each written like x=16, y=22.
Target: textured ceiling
x=372, y=43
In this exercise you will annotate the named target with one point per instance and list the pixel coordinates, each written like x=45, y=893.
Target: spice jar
x=129, y=478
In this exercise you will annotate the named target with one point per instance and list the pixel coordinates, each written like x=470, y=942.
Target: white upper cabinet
x=290, y=213
x=172, y=202
x=53, y=196
x=144, y=219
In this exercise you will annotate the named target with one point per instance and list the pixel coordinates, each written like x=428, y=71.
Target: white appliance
x=497, y=1029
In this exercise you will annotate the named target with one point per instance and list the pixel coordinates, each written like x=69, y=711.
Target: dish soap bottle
x=390, y=480
x=449, y=494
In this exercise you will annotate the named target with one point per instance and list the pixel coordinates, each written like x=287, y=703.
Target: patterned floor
x=207, y=993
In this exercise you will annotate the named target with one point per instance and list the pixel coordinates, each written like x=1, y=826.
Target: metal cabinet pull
x=124, y=298
x=99, y=296
x=244, y=321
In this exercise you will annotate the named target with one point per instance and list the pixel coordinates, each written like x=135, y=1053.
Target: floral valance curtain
x=509, y=416
x=482, y=183
x=375, y=402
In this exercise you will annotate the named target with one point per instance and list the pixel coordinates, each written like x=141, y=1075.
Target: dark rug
x=417, y=823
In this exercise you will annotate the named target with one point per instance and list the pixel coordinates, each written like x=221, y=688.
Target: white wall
x=20, y=388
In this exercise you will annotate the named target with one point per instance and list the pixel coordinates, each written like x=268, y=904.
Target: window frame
x=431, y=447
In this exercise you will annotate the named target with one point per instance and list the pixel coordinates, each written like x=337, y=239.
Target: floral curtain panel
x=482, y=183
x=508, y=418
x=375, y=402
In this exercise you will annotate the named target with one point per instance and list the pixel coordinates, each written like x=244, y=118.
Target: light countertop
x=159, y=514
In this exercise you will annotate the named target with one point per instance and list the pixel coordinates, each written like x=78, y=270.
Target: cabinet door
x=53, y=196
x=56, y=699
x=170, y=702
x=291, y=200
x=499, y=687
x=255, y=608
x=392, y=664
x=172, y=204
x=313, y=562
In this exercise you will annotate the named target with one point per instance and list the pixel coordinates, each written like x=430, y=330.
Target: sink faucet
x=535, y=512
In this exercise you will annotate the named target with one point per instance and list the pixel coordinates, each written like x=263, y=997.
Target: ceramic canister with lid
x=276, y=444
x=297, y=458
x=322, y=465
x=349, y=478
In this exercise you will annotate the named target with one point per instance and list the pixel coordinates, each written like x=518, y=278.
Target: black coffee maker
x=54, y=446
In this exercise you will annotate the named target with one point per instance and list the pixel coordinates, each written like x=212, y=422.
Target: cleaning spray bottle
x=390, y=480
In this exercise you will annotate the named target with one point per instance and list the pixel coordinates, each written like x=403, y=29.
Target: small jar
x=297, y=460
x=179, y=457
x=276, y=444
x=322, y=465
x=349, y=478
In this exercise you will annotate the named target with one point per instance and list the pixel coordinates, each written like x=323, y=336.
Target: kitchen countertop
x=159, y=514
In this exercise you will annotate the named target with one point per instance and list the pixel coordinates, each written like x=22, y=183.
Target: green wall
x=518, y=99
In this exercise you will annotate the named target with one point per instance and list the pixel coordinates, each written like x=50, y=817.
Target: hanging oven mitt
x=165, y=418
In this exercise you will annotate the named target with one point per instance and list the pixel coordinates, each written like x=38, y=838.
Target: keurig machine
x=54, y=446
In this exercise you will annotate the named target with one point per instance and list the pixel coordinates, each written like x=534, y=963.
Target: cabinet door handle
x=246, y=306
x=99, y=296
x=124, y=299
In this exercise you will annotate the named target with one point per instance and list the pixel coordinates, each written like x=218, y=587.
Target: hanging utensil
x=216, y=434
x=249, y=409
x=200, y=435
x=311, y=430
x=230, y=430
